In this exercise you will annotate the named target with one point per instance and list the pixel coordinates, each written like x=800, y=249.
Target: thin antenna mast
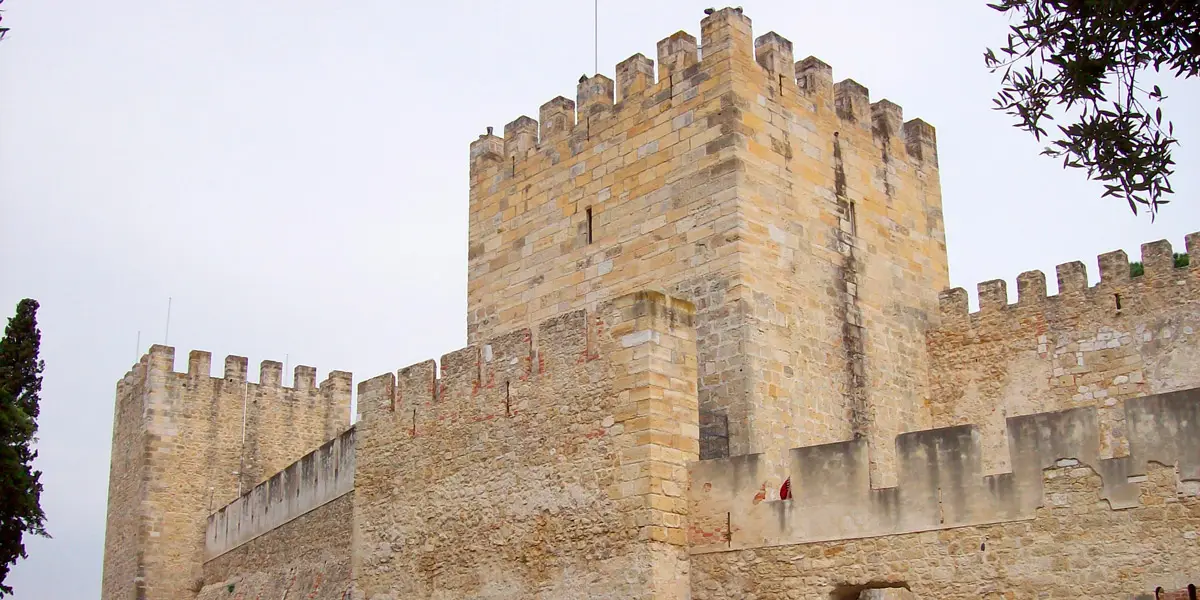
x=167, y=333
x=596, y=34
x=138, y=349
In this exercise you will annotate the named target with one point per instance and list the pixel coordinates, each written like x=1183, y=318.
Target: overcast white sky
x=294, y=175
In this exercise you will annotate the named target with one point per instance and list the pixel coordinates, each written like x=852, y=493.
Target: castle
x=710, y=357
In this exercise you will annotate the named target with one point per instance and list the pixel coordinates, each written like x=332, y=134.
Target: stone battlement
x=270, y=372
x=477, y=383
x=587, y=413
x=1159, y=271
x=186, y=443
x=942, y=484
x=623, y=117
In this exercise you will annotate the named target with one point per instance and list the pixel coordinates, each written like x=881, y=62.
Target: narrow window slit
x=507, y=401
x=1117, y=297
x=589, y=224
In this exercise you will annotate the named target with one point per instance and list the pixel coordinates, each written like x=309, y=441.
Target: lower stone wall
x=1076, y=546
x=308, y=557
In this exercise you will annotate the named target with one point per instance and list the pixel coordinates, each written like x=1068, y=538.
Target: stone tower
x=186, y=444
x=802, y=220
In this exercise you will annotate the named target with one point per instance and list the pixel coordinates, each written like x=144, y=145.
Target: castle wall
x=190, y=443
x=128, y=482
x=659, y=174
x=1074, y=547
x=942, y=481
x=846, y=249
x=320, y=477
x=1098, y=345
x=803, y=223
x=307, y=557
x=1064, y=520
x=558, y=473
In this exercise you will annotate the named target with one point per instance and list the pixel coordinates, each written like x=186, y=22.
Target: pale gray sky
x=294, y=175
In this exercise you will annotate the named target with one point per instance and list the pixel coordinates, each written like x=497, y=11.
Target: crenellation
x=377, y=397
x=887, y=121
x=270, y=374
x=593, y=95
x=675, y=55
x=1031, y=287
x=726, y=34
x=236, y=368
x=457, y=386
x=557, y=119
x=508, y=358
x=416, y=389
x=199, y=364
x=736, y=260
x=815, y=78
x=198, y=442
x=634, y=76
x=520, y=138
x=993, y=295
x=486, y=151
x=1114, y=267
x=304, y=378
x=337, y=382
x=942, y=483
x=852, y=102
x=1192, y=243
x=774, y=53
x=1158, y=259
x=1072, y=278
x=160, y=358
x=920, y=140
x=1073, y=283
x=953, y=303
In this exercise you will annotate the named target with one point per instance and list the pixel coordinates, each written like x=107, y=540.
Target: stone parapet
x=942, y=484
x=318, y=478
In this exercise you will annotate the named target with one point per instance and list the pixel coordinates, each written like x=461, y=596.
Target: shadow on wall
x=875, y=590
x=1188, y=593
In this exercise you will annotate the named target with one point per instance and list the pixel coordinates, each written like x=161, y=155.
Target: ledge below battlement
x=942, y=484
x=318, y=478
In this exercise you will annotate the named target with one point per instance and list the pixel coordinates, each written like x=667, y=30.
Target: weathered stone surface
x=1074, y=547
x=555, y=474
x=322, y=476
x=305, y=558
x=942, y=484
x=739, y=261
x=1097, y=346
x=185, y=444
x=810, y=240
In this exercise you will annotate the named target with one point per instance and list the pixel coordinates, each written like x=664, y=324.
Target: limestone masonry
x=710, y=358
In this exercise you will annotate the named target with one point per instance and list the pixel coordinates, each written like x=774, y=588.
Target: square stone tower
x=803, y=221
x=186, y=444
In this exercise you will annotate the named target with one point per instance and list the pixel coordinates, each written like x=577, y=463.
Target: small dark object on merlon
x=709, y=11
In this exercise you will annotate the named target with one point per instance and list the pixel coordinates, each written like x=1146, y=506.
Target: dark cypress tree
x=20, y=384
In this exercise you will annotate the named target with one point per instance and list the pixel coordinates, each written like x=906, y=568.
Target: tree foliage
x=3, y=29
x=1081, y=60
x=20, y=386
x=1137, y=269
